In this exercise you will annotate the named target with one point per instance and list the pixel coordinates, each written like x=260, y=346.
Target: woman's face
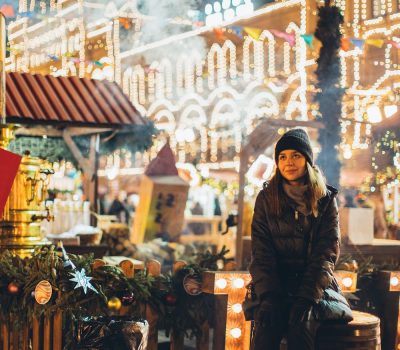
x=292, y=166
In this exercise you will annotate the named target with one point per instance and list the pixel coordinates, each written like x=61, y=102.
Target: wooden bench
x=363, y=333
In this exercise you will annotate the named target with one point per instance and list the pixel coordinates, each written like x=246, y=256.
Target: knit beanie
x=298, y=140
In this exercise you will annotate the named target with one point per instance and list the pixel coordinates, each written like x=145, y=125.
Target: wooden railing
x=46, y=333
x=230, y=328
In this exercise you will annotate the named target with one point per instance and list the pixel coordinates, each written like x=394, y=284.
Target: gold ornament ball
x=114, y=303
x=13, y=288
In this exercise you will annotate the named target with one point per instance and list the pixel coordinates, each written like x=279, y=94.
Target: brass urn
x=25, y=208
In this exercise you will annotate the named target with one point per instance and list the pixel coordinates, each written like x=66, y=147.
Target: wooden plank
x=230, y=266
x=221, y=305
x=179, y=264
x=82, y=161
x=390, y=312
x=36, y=334
x=127, y=268
x=57, y=330
x=177, y=340
x=46, y=334
x=153, y=269
x=202, y=343
x=25, y=338
x=15, y=338
x=98, y=263
x=116, y=260
x=5, y=336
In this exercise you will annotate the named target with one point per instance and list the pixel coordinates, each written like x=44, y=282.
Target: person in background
x=289, y=279
x=119, y=209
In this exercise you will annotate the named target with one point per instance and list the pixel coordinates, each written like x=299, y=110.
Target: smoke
x=166, y=18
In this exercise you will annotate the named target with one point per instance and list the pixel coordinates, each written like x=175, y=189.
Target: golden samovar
x=25, y=208
x=20, y=226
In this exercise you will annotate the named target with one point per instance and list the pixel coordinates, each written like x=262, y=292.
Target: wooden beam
x=84, y=163
x=76, y=131
x=39, y=131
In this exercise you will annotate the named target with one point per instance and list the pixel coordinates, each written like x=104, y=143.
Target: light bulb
x=236, y=332
x=237, y=308
x=238, y=283
x=394, y=281
x=221, y=283
x=347, y=282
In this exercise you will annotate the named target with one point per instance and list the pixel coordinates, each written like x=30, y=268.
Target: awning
x=72, y=101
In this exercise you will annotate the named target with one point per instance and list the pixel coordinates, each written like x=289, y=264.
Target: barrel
x=363, y=333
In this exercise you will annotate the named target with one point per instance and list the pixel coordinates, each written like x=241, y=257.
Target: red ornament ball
x=128, y=298
x=13, y=288
x=170, y=299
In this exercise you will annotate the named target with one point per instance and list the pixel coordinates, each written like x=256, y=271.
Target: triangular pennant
x=308, y=39
x=253, y=32
x=289, y=37
x=7, y=10
x=237, y=31
x=345, y=44
x=219, y=33
x=9, y=164
x=358, y=43
x=375, y=42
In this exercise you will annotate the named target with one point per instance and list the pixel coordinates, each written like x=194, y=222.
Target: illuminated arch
x=133, y=84
x=163, y=79
x=230, y=48
x=263, y=104
x=267, y=36
x=213, y=71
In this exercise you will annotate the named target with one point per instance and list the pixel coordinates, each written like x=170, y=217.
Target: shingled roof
x=73, y=101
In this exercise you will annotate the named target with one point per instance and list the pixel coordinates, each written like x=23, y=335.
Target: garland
x=178, y=311
x=136, y=138
x=329, y=96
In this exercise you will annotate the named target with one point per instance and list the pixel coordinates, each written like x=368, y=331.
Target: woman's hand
x=300, y=311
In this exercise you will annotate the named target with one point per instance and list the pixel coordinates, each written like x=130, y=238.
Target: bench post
x=229, y=287
x=389, y=286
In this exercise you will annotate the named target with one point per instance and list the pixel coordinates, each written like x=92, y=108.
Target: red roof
x=39, y=99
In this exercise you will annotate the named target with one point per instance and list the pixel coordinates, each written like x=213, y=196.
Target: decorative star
x=82, y=280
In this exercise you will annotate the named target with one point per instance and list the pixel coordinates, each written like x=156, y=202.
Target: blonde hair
x=316, y=189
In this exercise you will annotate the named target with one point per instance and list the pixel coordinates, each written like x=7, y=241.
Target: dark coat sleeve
x=263, y=266
x=324, y=254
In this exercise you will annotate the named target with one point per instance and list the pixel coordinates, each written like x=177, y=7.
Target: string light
x=146, y=86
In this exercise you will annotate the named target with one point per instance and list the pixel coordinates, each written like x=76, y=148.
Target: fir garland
x=330, y=94
x=136, y=138
x=178, y=311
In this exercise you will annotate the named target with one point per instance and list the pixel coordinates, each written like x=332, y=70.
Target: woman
x=289, y=275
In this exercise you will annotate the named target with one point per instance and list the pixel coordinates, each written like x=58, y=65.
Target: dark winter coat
x=279, y=248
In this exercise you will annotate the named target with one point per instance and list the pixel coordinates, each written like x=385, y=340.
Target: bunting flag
x=53, y=58
x=289, y=37
x=253, y=32
x=9, y=164
x=308, y=39
x=358, y=43
x=237, y=31
x=375, y=42
x=219, y=33
x=7, y=10
x=345, y=44
x=395, y=44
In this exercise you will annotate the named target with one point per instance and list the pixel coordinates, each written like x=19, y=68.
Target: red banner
x=9, y=164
